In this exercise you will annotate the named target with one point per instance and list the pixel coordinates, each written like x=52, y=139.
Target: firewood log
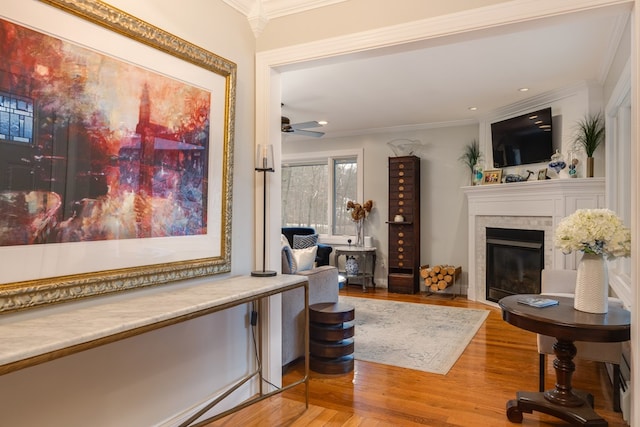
x=442, y=284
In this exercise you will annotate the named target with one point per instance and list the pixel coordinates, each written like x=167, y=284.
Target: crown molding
x=259, y=12
x=485, y=17
x=242, y=6
x=278, y=8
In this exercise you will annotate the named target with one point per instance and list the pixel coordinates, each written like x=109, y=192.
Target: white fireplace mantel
x=536, y=205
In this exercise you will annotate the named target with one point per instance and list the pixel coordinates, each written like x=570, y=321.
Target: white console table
x=40, y=335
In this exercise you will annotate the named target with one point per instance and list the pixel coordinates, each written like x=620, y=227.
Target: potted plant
x=589, y=136
x=470, y=157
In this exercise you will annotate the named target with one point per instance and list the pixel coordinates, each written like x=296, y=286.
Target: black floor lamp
x=264, y=164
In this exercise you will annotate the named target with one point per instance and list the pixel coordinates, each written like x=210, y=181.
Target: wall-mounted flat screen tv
x=522, y=140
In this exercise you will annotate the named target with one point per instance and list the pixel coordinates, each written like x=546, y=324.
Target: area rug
x=424, y=337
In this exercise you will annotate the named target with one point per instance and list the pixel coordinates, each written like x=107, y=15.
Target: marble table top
x=41, y=334
x=354, y=248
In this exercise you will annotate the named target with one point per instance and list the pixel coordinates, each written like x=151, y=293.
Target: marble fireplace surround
x=530, y=205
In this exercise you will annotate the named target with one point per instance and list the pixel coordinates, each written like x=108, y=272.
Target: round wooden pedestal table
x=331, y=333
x=567, y=325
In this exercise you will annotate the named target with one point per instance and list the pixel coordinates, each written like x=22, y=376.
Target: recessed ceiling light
x=473, y=108
x=323, y=122
x=523, y=89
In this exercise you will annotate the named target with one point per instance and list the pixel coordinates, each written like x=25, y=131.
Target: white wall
x=151, y=379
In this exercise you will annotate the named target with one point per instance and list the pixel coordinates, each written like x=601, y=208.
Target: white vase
x=592, y=285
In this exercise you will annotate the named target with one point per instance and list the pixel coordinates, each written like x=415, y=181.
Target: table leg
x=573, y=406
x=562, y=395
x=363, y=258
x=373, y=270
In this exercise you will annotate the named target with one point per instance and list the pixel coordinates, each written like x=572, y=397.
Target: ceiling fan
x=300, y=128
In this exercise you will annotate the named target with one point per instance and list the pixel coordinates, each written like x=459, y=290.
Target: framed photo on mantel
x=542, y=174
x=492, y=176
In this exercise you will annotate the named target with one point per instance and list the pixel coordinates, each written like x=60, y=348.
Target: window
x=345, y=188
x=316, y=188
x=304, y=197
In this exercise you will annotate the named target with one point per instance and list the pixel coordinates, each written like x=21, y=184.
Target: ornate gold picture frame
x=45, y=270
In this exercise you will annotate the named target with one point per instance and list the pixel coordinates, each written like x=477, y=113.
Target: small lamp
x=264, y=164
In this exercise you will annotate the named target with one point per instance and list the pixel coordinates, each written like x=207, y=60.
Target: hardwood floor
x=500, y=360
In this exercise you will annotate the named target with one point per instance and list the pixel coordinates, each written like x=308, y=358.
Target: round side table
x=331, y=333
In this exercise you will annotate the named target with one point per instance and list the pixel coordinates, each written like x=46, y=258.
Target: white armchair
x=562, y=283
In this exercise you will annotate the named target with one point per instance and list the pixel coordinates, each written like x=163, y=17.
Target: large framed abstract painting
x=116, y=153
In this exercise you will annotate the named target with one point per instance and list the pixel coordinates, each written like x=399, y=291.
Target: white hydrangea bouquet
x=594, y=231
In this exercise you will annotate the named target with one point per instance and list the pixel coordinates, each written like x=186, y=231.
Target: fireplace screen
x=515, y=259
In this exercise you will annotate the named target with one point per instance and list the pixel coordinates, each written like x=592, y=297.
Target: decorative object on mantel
x=478, y=173
x=471, y=157
x=542, y=174
x=518, y=178
x=557, y=162
x=358, y=215
x=589, y=136
x=598, y=233
x=573, y=163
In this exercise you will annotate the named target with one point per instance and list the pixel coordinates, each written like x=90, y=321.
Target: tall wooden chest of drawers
x=404, y=236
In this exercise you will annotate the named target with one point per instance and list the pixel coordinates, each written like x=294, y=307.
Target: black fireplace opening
x=515, y=259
